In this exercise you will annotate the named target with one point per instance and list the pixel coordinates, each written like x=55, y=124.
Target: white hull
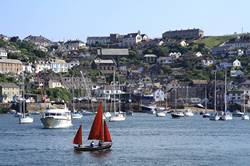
x=107, y=114
x=76, y=115
x=189, y=114
x=25, y=120
x=177, y=114
x=160, y=114
x=214, y=117
x=53, y=123
x=226, y=117
x=245, y=117
x=117, y=118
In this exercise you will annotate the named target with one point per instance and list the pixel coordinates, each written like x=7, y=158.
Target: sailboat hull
x=105, y=146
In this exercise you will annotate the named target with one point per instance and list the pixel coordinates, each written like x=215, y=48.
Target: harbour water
x=139, y=140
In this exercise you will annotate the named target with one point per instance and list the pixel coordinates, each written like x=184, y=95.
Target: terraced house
x=12, y=66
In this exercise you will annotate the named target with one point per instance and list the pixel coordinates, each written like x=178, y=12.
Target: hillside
x=212, y=41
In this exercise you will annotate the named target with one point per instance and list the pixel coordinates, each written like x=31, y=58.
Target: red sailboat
x=99, y=131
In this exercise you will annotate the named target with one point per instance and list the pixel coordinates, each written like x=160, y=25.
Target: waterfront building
x=8, y=91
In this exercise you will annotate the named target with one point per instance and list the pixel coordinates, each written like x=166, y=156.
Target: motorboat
x=56, y=118
x=87, y=113
x=118, y=116
x=237, y=113
x=151, y=109
x=226, y=116
x=177, y=114
x=206, y=115
x=160, y=114
x=188, y=113
x=215, y=116
x=107, y=114
x=76, y=115
x=245, y=117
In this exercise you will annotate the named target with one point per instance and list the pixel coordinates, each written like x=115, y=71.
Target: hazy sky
x=77, y=19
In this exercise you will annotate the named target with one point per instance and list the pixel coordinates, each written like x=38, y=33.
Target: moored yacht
x=56, y=118
x=177, y=114
x=151, y=109
x=119, y=116
x=160, y=114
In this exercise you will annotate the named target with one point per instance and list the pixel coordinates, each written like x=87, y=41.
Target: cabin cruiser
x=151, y=109
x=215, y=116
x=226, y=116
x=245, y=117
x=118, y=116
x=76, y=115
x=177, y=114
x=238, y=113
x=160, y=114
x=56, y=118
x=188, y=113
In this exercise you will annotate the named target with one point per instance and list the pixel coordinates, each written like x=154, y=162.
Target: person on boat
x=100, y=143
x=92, y=144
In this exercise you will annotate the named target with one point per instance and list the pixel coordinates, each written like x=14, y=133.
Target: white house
x=74, y=45
x=236, y=64
x=28, y=68
x=175, y=55
x=183, y=43
x=55, y=84
x=131, y=40
x=198, y=54
x=3, y=54
x=164, y=60
x=207, y=62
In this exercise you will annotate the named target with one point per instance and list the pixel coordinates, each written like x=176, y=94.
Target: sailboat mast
x=175, y=97
x=225, y=95
x=244, y=102
x=114, y=92
x=23, y=98
x=215, y=88
x=206, y=98
x=73, y=94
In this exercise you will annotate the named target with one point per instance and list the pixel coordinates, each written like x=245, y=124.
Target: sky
x=78, y=19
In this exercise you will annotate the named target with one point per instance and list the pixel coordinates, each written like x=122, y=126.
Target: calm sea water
x=140, y=140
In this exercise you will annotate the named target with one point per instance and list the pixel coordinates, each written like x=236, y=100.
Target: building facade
x=12, y=66
x=8, y=91
x=184, y=34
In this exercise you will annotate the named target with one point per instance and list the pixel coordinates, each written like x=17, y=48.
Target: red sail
x=107, y=137
x=96, y=131
x=78, y=136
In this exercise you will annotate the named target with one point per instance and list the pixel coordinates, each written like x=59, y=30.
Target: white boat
x=76, y=115
x=244, y=116
x=206, y=115
x=237, y=113
x=56, y=118
x=177, y=114
x=226, y=116
x=107, y=114
x=87, y=113
x=188, y=113
x=214, y=117
x=117, y=117
x=151, y=109
x=160, y=114
x=25, y=120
